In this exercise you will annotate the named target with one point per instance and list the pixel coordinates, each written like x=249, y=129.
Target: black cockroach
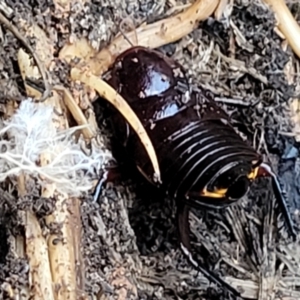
x=203, y=160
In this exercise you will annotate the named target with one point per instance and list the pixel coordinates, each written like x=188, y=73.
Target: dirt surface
x=129, y=247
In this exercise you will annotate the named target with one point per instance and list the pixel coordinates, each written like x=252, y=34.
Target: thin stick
x=76, y=112
x=40, y=66
x=287, y=23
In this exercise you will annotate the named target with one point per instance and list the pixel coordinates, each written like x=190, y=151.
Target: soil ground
x=129, y=244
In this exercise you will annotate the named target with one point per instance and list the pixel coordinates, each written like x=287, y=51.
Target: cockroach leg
x=183, y=225
x=183, y=230
x=102, y=180
x=264, y=171
x=110, y=174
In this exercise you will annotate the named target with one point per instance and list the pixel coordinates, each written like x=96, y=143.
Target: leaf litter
x=129, y=243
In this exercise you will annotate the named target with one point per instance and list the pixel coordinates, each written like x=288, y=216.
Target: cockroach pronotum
x=203, y=160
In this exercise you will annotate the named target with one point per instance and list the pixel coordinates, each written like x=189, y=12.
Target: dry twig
x=40, y=65
x=287, y=23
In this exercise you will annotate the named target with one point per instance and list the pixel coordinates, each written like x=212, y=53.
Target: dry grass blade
x=53, y=260
x=220, y=9
x=241, y=66
x=170, y=29
x=37, y=251
x=122, y=106
x=61, y=246
x=287, y=24
x=6, y=9
x=76, y=112
x=40, y=65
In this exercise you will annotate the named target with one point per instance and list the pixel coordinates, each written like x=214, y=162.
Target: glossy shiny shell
x=196, y=145
x=140, y=73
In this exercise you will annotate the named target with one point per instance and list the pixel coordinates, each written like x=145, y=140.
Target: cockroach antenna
x=280, y=195
x=185, y=245
x=129, y=22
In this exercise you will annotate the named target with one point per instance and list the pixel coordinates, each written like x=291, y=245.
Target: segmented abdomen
x=197, y=155
x=192, y=136
x=192, y=150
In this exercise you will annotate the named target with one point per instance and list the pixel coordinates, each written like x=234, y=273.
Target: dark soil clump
x=130, y=247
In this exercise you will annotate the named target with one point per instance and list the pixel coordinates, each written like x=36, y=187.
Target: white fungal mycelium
x=31, y=132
